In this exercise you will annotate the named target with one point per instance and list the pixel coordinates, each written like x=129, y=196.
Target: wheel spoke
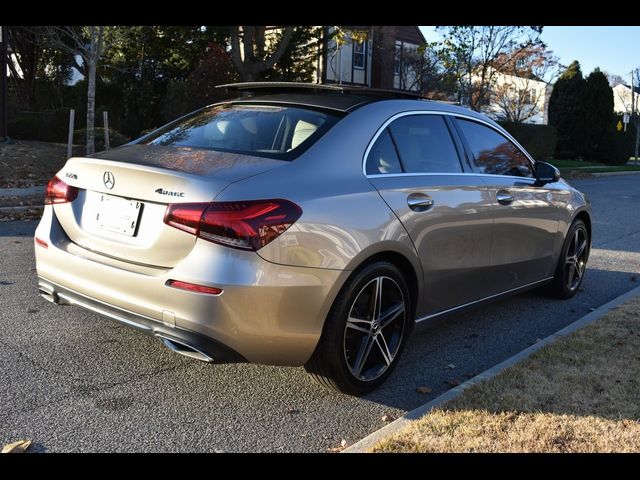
x=576, y=241
x=384, y=349
x=359, y=324
x=579, y=269
x=376, y=299
x=572, y=273
x=581, y=249
x=571, y=260
x=391, y=314
x=363, y=354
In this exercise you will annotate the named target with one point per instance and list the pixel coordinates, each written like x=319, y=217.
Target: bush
x=115, y=138
x=44, y=126
x=618, y=146
x=538, y=140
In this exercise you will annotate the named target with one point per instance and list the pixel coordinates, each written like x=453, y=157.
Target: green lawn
x=567, y=166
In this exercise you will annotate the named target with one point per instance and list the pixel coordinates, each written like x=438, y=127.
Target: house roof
x=404, y=33
x=410, y=34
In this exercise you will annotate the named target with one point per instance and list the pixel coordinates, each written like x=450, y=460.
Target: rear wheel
x=572, y=262
x=365, y=331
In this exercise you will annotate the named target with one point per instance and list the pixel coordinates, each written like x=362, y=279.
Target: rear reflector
x=192, y=287
x=248, y=225
x=59, y=192
x=41, y=242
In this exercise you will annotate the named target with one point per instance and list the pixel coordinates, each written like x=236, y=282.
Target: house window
x=398, y=60
x=359, y=54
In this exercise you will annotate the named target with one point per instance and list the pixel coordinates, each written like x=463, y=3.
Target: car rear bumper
x=268, y=313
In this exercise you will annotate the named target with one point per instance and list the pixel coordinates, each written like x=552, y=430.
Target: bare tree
x=630, y=100
x=478, y=53
x=423, y=69
x=519, y=91
x=256, y=56
x=87, y=43
x=614, y=79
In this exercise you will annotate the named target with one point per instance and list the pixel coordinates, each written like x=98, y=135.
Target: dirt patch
x=25, y=163
x=579, y=394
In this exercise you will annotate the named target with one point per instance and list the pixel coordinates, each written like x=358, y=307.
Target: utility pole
x=3, y=85
x=634, y=114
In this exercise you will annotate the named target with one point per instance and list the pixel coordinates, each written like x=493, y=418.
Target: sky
x=613, y=49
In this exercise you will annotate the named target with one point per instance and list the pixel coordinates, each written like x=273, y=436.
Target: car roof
x=340, y=98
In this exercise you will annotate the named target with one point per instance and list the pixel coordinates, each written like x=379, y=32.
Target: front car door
x=422, y=174
x=525, y=217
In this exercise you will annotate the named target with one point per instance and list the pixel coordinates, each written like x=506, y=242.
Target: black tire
x=560, y=286
x=342, y=347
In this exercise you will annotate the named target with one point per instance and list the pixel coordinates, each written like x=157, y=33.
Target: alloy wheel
x=576, y=259
x=374, y=328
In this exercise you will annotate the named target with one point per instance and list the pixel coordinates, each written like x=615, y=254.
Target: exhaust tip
x=49, y=296
x=184, y=349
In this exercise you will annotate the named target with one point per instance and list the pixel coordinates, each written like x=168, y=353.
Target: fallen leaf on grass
x=20, y=446
x=388, y=418
x=452, y=383
x=424, y=390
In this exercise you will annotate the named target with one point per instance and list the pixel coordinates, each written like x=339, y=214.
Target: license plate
x=118, y=215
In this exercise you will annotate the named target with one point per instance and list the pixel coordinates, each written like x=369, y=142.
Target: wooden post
x=105, y=118
x=72, y=116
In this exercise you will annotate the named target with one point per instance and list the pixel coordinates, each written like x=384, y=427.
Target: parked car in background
x=308, y=225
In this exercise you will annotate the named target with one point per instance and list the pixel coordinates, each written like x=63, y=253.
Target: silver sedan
x=308, y=225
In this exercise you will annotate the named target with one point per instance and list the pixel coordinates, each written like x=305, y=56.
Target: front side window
x=425, y=144
x=274, y=131
x=493, y=153
x=359, y=54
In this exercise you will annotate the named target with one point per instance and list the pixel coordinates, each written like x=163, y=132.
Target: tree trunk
x=91, y=91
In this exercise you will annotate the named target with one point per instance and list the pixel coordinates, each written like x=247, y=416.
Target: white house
x=519, y=99
x=622, y=98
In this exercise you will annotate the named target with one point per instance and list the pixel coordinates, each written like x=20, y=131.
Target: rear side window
x=493, y=153
x=266, y=130
x=382, y=157
x=425, y=144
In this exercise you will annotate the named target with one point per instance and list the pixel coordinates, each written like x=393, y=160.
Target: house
x=622, y=98
x=371, y=56
x=523, y=99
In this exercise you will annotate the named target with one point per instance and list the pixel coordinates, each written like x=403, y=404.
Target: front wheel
x=572, y=262
x=365, y=331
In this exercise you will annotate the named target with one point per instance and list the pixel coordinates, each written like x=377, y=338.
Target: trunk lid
x=124, y=194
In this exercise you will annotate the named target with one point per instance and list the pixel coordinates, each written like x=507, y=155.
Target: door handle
x=419, y=202
x=504, y=197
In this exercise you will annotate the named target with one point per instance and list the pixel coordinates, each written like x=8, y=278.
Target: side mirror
x=546, y=173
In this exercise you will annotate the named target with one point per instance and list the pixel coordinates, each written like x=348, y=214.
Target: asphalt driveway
x=72, y=381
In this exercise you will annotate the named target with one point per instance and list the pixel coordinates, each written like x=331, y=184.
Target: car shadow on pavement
x=443, y=355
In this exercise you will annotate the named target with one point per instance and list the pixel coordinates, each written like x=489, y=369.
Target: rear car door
x=420, y=171
x=525, y=217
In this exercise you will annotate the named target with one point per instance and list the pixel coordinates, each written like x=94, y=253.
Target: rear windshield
x=280, y=132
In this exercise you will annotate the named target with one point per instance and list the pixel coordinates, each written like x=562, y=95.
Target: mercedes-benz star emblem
x=109, y=180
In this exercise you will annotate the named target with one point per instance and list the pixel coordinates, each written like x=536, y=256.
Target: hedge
x=44, y=126
x=538, y=140
x=115, y=138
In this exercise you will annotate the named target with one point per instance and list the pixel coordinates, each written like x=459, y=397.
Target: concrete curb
x=613, y=174
x=22, y=192
x=369, y=441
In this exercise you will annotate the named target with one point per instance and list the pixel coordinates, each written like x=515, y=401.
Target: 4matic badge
x=162, y=191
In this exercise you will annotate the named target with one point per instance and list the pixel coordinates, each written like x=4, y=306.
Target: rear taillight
x=247, y=225
x=59, y=192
